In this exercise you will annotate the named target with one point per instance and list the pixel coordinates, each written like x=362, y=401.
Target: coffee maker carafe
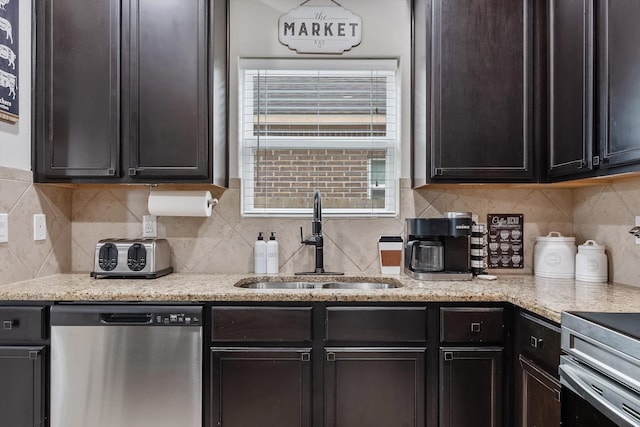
x=438, y=248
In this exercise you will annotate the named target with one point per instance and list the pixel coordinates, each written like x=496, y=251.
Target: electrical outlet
x=39, y=227
x=638, y=223
x=4, y=228
x=149, y=226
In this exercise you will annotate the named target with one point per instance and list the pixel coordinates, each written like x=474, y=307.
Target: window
x=318, y=124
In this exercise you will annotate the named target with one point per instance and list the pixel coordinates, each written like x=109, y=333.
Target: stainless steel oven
x=600, y=370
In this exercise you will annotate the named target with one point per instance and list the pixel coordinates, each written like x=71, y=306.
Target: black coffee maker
x=439, y=248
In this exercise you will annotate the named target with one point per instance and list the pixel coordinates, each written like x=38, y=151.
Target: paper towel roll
x=180, y=203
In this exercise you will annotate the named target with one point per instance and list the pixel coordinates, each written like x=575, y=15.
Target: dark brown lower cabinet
x=470, y=386
x=22, y=386
x=374, y=387
x=265, y=387
x=538, y=396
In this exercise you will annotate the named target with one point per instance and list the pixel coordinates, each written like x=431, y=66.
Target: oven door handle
x=606, y=396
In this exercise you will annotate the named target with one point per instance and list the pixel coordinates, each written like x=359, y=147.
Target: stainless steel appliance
x=126, y=366
x=438, y=248
x=142, y=258
x=600, y=373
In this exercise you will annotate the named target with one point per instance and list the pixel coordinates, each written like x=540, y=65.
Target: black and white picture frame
x=9, y=105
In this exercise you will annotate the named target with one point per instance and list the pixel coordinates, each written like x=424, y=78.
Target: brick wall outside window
x=286, y=178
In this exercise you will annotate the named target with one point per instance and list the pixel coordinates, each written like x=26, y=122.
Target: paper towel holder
x=212, y=202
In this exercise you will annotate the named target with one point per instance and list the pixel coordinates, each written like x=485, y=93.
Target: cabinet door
x=570, y=87
x=166, y=121
x=374, y=387
x=264, y=387
x=22, y=391
x=77, y=87
x=619, y=86
x=480, y=90
x=538, y=396
x=471, y=387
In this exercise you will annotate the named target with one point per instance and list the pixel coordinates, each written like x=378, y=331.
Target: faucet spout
x=316, y=238
x=316, y=226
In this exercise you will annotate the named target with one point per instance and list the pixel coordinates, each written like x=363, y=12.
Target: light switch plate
x=39, y=227
x=4, y=228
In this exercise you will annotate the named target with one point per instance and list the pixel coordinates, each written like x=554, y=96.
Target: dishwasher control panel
x=177, y=319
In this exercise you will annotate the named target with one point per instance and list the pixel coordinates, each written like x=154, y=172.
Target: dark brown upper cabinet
x=570, y=108
x=594, y=93
x=473, y=91
x=129, y=91
x=618, y=68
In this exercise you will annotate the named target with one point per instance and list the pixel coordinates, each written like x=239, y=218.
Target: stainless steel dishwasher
x=126, y=366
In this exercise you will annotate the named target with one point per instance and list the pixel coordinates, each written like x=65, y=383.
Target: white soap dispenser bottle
x=260, y=255
x=272, y=254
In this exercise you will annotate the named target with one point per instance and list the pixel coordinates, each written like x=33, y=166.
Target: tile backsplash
x=23, y=258
x=223, y=243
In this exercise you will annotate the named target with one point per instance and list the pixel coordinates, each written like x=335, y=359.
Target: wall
x=23, y=258
x=386, y=33
x=77, y=219
x=15, y=139
x=223, y=243
x=605, y=214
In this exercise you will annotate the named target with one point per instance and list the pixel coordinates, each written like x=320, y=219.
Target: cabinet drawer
x=22, y=323
x=471, y=325
x=539, y=340
x=376, y=324
x=280, y=324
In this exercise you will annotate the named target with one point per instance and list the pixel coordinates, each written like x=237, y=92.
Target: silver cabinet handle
x=7, y=325
x=536, y=342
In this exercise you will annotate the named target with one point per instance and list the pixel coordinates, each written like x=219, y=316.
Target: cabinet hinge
x=596, y=160
x=448, y=355
x=132, y=171
x=111, y=172
x=33, y=355
x=306, y=357
x=438, y=171
x=331, y=357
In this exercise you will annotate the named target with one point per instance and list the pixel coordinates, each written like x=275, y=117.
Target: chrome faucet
x=316, y=238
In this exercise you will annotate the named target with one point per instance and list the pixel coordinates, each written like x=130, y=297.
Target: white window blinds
x=326, y=125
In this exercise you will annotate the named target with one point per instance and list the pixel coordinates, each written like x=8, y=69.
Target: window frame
x=248, y=142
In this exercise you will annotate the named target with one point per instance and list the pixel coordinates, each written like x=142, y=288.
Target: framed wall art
x=9, y=107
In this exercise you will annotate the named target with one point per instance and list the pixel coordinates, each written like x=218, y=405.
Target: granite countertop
x=546, y=297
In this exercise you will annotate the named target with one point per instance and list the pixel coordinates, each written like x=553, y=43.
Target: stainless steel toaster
x=131, y=258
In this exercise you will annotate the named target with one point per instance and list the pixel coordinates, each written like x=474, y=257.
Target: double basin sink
x=286, y=284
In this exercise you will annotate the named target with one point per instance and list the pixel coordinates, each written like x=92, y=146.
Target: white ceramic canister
x=591, y=263
x=554, y=256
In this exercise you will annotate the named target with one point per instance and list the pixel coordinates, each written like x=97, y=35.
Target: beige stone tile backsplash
x=23, y=258
x=223, y=243
x=605, y=214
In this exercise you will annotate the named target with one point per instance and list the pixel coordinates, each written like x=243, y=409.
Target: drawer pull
x=475, y=327
x=7, y=325
x=536, y=342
